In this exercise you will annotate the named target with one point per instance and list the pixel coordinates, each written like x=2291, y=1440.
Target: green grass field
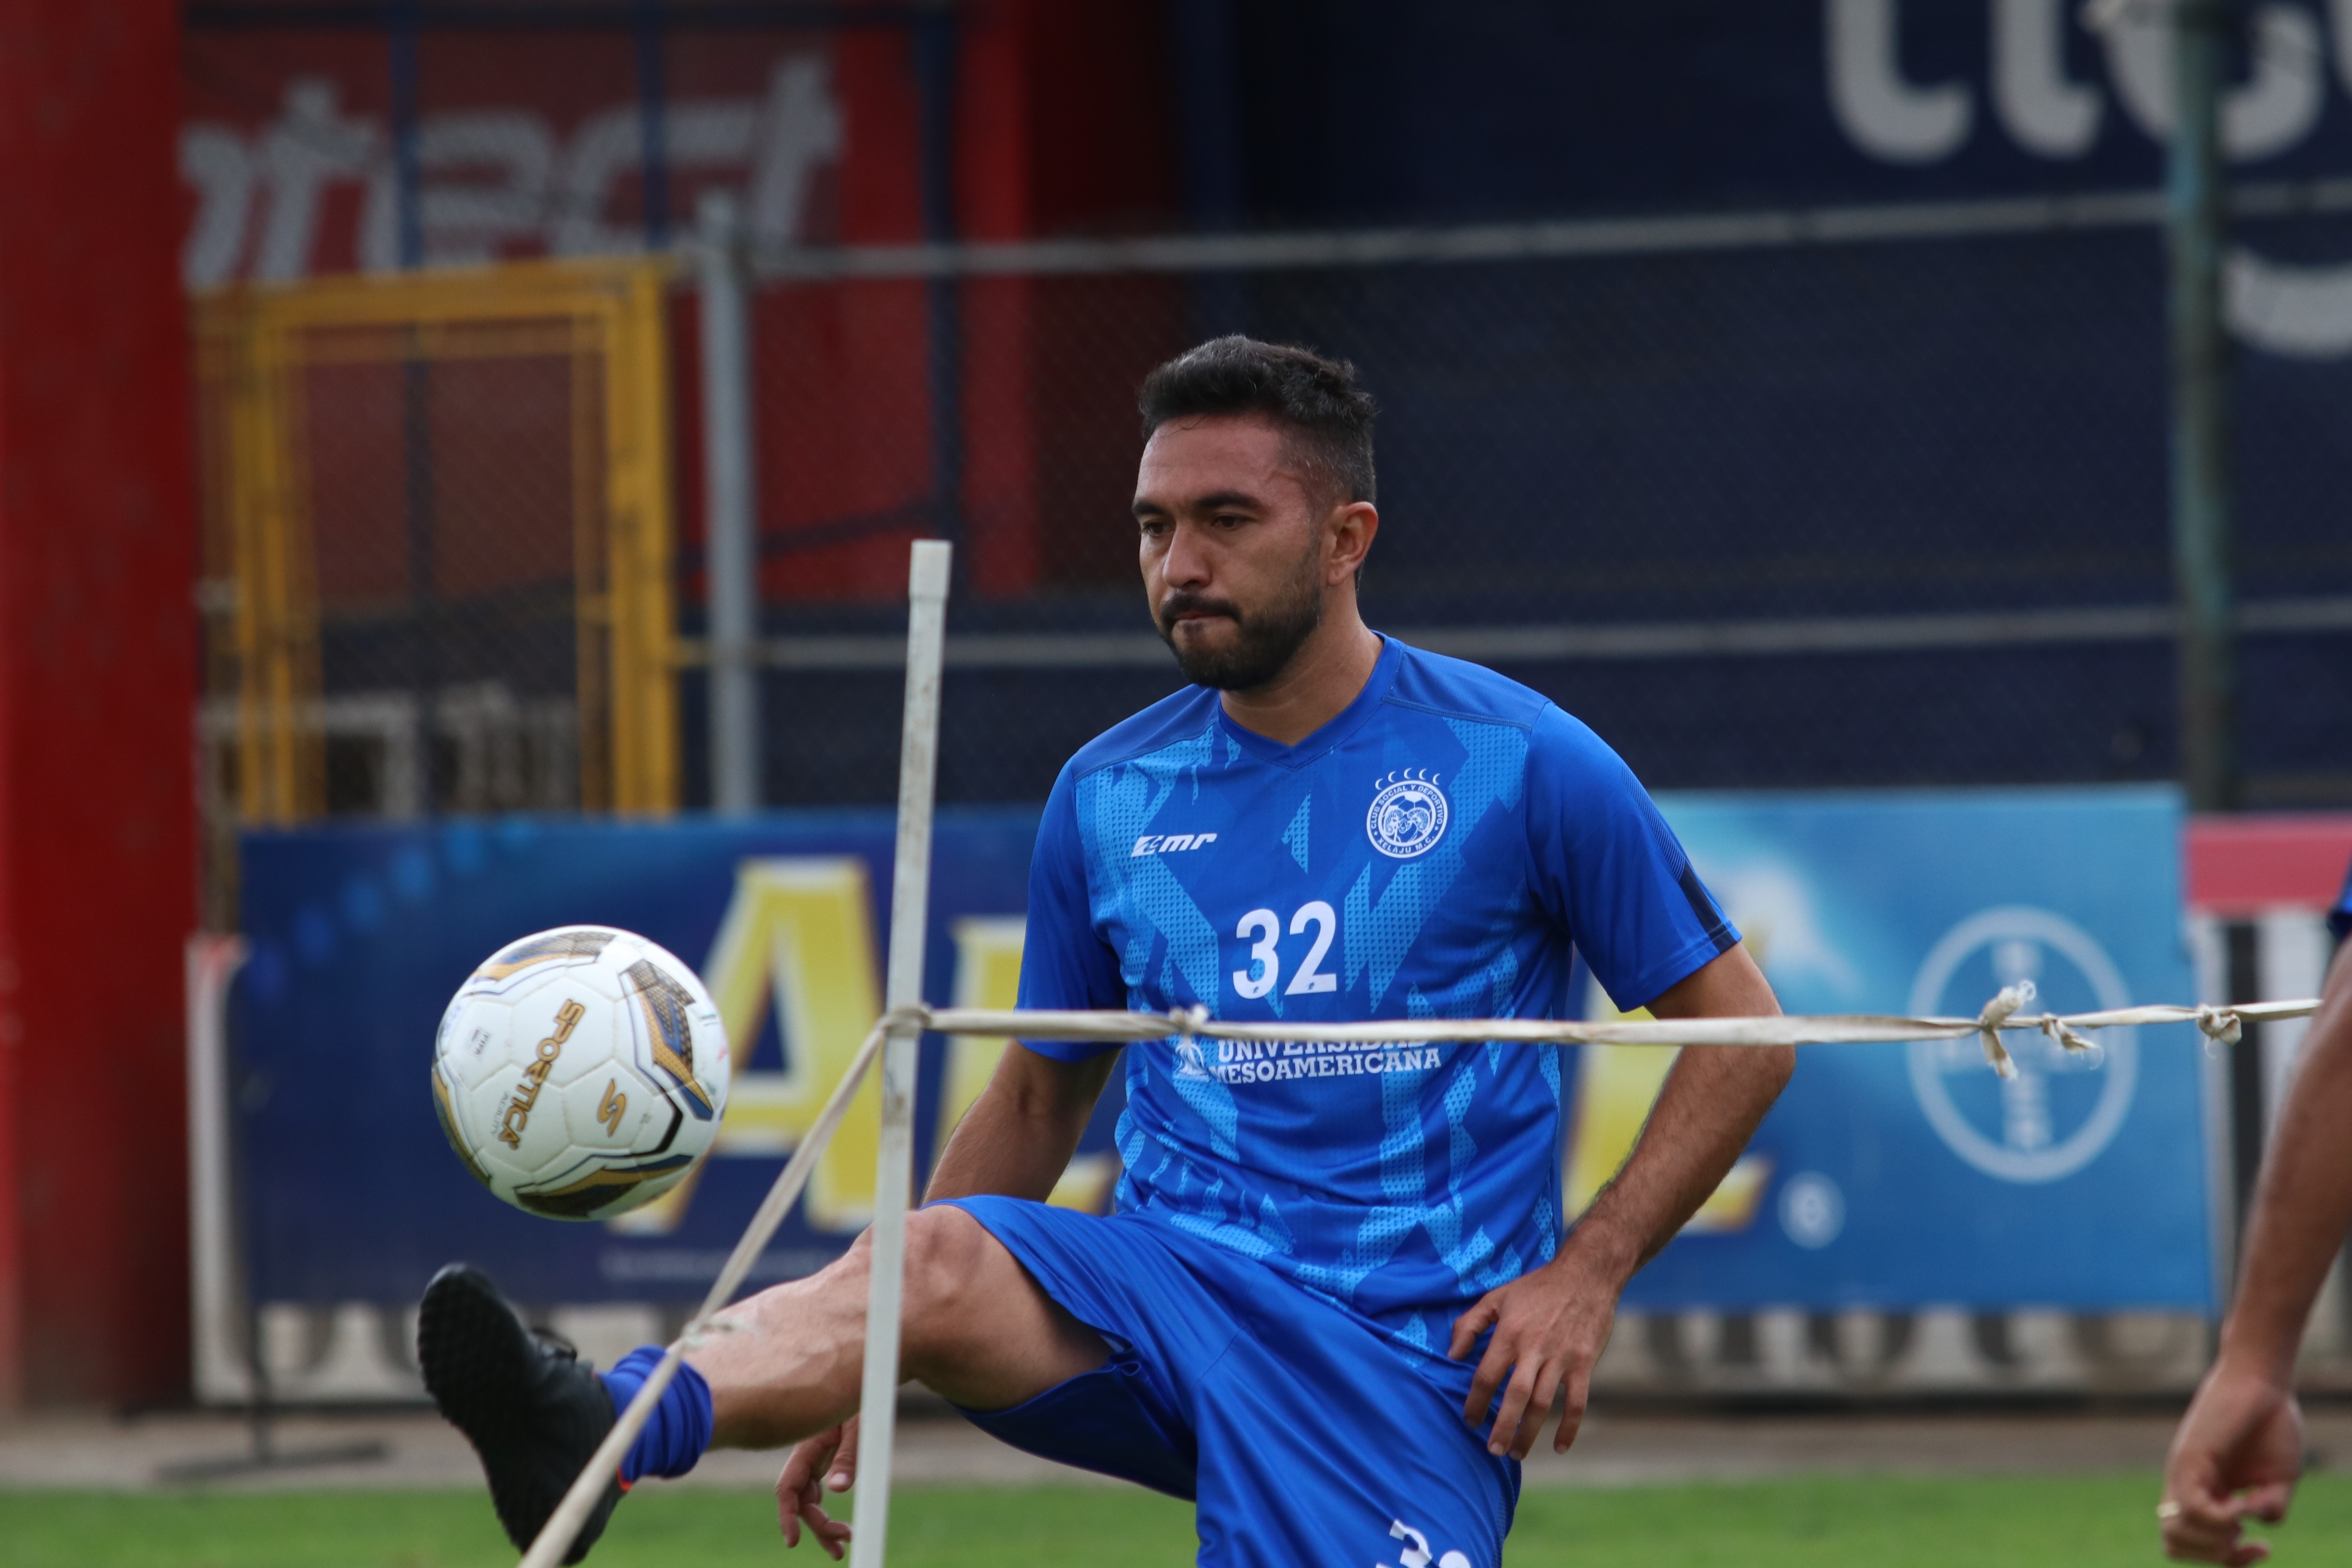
x=2078, y=1521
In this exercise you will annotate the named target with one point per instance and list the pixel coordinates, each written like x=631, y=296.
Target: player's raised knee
x=946, y=1255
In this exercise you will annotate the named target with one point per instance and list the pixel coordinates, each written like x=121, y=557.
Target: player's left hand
x=826, y=1462
x=2236, y=1457
x=1549, y=1327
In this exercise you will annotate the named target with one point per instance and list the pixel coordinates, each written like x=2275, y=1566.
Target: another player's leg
x=786, y=1366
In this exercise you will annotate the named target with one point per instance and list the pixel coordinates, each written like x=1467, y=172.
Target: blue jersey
x=1436, y=851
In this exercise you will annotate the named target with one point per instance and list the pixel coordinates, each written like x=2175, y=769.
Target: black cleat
x=533, y=1412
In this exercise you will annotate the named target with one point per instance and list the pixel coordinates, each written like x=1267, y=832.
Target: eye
x=1230, y=519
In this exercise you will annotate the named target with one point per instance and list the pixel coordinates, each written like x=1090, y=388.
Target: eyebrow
x=1216, y=500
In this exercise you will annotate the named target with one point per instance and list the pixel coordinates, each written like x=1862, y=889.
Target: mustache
x=1183, y=603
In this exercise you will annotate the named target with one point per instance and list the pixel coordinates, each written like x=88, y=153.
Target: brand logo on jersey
x=1169, y=844
x=1408, y=814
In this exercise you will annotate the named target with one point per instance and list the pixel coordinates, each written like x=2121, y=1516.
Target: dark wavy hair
x=1325, y=415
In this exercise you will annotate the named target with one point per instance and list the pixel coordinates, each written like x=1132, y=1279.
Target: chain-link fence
x=1786, y=500
x=437, y=546
x=1777, y=500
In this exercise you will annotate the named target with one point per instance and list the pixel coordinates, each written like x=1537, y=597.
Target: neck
x=1322, y=678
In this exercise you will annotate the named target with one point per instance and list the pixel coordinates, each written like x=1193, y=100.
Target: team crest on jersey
x=1408, y=814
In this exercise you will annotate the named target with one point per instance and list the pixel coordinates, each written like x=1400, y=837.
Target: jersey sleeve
x=1064, y=962
x=2339, y=919
x=1606, y=866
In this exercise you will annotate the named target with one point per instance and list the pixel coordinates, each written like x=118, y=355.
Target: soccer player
x=2238, y=1451
x=1337, y=1299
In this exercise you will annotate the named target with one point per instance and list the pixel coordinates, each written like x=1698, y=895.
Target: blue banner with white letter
x=1912, y=1175
x=1888, y=1175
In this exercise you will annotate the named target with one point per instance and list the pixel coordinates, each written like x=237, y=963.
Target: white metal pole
x=214, y=1262
x=911, y=903
x=731, y=561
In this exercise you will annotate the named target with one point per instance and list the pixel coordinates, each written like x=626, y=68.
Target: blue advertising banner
x=1887, y=1176
x=1894, y=1175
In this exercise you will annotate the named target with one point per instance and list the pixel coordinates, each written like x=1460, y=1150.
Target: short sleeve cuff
x=1687, y=960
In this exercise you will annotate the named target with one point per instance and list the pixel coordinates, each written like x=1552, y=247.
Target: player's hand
x=1549, y=1327
x=2237, y=1457
x=826, y=1462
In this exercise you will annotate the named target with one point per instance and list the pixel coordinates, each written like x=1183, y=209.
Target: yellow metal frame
x=609, y=316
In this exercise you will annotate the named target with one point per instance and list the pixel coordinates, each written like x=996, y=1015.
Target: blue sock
x=681, y=1428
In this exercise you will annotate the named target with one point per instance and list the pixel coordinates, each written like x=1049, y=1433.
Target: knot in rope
x=1996, y=1013
x=2071, y=1039
x=914, y=1018
x=2220, y=1025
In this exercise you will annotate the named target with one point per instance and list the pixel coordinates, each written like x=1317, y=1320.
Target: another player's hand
x=2237, y=1457
x=1549, y=1327
x=826, y=1462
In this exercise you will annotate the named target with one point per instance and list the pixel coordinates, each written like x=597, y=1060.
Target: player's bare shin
x=1551, y=1324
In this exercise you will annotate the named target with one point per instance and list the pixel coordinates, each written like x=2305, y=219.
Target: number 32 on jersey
x=1262, y=929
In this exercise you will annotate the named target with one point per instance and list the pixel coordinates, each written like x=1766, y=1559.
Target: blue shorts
x=1304, y=1436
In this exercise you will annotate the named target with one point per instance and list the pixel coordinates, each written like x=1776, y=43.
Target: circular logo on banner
x=1812, y=1209
x=1408, y=816
x=2063, y=1107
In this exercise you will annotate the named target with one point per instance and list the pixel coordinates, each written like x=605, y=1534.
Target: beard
x=1265, y=640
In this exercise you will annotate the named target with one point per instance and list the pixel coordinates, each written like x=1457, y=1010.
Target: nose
x=1186, y=564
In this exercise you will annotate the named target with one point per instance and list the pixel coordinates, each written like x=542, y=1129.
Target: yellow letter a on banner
x=798, y=932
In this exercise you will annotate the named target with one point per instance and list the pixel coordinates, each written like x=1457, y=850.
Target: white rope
x=2220, y=1026
x=2002, y=1014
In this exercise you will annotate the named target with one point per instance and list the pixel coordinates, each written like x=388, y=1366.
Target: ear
x=1351, y=529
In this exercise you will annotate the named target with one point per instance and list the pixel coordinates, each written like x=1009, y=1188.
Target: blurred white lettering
x=2042, y=111
x=494, y=180
x=2277, y=106
x=308, y=146
x=214, y=160
x=1882, y=112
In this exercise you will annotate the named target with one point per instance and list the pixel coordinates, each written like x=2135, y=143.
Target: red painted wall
x=2240, y=867
x=97, y=686
x=1062, y=126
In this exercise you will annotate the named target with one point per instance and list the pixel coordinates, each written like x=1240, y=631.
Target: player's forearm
x=1713, y=1099
x=2303, y=1203
x=1019, y=1135
x=1709, y=1108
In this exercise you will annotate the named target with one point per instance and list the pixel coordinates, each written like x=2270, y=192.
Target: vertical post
x=416, y=393
x=1207, y=79
x=214, y=1281
x=2242, y=963
x=418, y=511
x=934, y=43
x=653, y=127
x=2196, y=229
x=731, y=560
x=910, y=900
x=407, y=27
x=641, y=644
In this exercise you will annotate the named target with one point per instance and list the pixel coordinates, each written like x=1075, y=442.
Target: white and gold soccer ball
x=581, y=1072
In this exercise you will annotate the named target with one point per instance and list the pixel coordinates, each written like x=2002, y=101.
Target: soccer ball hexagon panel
x=581, y=1071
